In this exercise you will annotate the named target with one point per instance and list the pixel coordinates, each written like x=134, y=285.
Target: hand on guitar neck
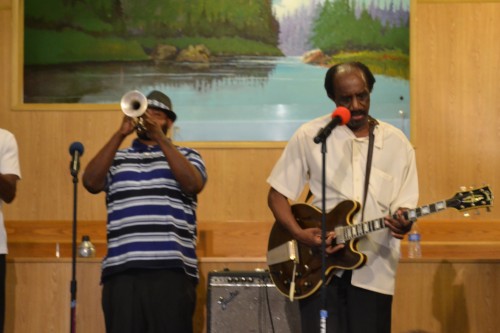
x=398, y=223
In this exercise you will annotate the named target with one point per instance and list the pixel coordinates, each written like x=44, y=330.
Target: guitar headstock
x=473, y=198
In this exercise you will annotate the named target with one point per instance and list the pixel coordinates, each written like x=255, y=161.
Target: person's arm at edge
x=8, y=187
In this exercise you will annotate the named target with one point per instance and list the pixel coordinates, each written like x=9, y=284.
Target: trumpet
x=134, y=104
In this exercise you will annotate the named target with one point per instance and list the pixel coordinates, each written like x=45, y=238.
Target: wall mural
x=236, y=70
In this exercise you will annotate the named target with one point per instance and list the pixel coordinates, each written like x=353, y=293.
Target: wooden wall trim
x=248, y=239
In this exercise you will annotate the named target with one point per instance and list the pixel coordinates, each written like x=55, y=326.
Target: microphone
x=340, y=116
x=75, y=150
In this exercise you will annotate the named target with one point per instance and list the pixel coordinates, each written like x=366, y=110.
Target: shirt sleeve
x=290, y=174
x=9, y=157
x=195, y=158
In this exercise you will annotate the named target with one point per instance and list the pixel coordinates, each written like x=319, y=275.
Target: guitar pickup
x=285, y=252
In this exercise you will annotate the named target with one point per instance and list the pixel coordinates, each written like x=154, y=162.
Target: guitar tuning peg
x=463, y=188
x=466, y=214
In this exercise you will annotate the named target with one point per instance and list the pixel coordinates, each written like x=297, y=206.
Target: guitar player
x=365, y=156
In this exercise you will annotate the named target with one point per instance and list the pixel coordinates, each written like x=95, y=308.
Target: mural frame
x=17, y=87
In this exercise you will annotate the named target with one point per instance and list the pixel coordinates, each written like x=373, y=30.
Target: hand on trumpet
x=152, y=125
x=128, y=126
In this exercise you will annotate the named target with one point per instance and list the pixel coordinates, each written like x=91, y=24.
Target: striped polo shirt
x=151, y=222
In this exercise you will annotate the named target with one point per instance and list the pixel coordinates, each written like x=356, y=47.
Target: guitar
x=296, y=269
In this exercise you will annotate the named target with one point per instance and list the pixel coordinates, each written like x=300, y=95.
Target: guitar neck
x=349, y=232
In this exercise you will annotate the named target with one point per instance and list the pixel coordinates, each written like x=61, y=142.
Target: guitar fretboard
x=349, y=232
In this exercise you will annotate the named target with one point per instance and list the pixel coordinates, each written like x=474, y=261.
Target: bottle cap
x=414, y=237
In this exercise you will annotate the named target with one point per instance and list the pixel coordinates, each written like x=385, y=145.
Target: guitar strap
x=372, y=122
x=309, y=195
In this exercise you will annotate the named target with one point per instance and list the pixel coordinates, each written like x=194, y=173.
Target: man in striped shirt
x=150, y=272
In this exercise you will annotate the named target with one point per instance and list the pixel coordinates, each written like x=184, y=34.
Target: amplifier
x=248, y=301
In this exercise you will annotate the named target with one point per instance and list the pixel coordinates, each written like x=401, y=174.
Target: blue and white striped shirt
x=151, y=222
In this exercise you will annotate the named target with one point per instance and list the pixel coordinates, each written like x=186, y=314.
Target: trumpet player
x=150, y=271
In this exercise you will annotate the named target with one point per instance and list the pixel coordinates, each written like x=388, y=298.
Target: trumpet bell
x=134, y=104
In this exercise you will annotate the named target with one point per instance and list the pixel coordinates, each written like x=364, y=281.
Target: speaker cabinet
x=248, y=301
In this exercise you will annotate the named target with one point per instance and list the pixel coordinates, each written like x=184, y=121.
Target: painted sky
x=283, y=7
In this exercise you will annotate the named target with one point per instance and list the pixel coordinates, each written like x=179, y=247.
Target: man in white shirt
x=9, y=175
x=358, y=301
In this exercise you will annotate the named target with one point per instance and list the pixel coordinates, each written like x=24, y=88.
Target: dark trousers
x=149, y=301
x=350, y=309
x=3, y=270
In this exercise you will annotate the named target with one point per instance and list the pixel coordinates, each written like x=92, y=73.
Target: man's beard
x=357, y=124
x=143, y=135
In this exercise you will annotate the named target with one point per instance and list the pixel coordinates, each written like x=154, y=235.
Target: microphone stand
x=341, y=116
x=73, y=261
x=323, y=311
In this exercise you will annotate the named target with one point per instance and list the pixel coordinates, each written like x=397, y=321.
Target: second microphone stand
x=73, y=261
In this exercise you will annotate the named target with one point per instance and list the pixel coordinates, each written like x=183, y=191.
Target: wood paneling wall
x=436, y=296
x=455, y=98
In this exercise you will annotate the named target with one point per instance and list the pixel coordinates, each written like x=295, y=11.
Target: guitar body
x=308, y=270
x=289, y=261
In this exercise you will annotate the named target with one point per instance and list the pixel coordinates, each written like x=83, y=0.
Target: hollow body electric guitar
x=296, y=269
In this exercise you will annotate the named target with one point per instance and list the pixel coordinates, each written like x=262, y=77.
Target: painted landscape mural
x=236, y=70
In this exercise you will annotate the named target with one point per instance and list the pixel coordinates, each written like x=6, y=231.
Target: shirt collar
x=378, y=132
x=139, y=146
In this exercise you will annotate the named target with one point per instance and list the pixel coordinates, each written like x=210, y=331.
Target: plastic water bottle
x=414, y=248
x=86, y=249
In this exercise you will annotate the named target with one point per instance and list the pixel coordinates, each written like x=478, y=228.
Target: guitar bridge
x=285, y=252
